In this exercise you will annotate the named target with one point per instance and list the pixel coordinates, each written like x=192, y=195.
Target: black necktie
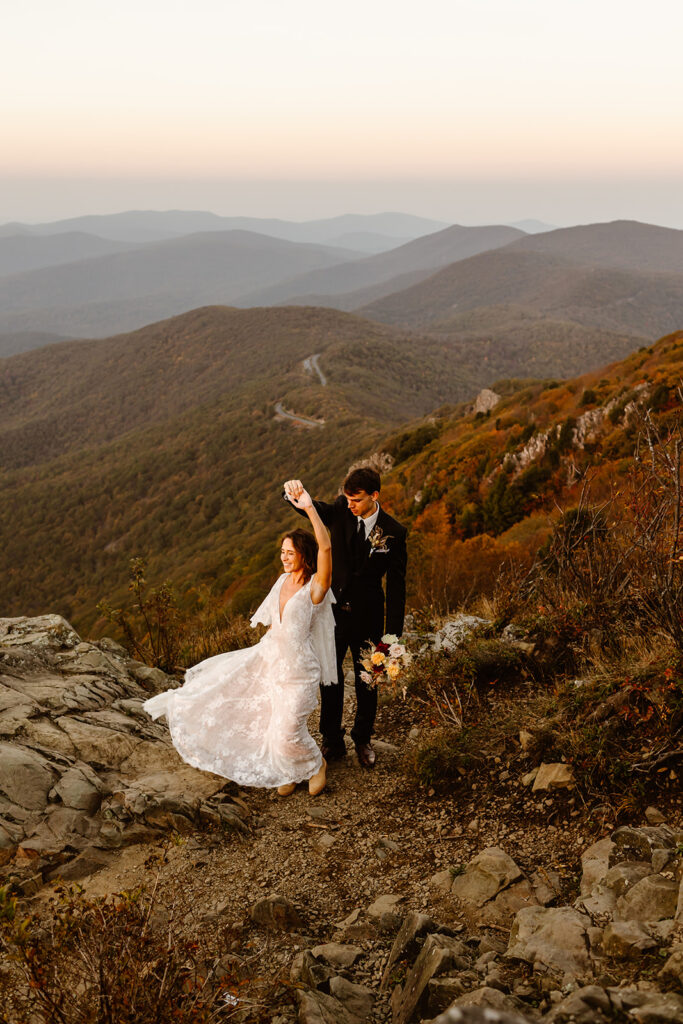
x=358, y=539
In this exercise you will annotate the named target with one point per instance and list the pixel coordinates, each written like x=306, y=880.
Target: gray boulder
x=277, y=913
x=308, y=971
x=588, y=1005
x=555, y=937
x=407, y=943
x=626, y=940
x=79, y=787
x=26, y=777
x=439, y=955
x=337, y=954
x=653, y=898
x=622, y=877
x=485, y=876
x=659, y=1008
x=673, y=968
x=456, y=632
x=640, y=843
x=319, y=1008
x=595, y=862
x=357, y=1000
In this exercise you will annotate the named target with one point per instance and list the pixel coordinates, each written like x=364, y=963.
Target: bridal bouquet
x=384, y=662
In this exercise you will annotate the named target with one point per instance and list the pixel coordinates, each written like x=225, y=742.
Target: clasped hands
x=297, y=494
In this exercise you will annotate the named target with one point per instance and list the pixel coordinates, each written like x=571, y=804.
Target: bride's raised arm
x=320, y=583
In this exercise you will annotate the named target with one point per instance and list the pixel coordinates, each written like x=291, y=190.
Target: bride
x=243, y=714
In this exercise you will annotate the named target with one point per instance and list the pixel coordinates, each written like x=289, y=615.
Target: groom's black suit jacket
x=358, y=571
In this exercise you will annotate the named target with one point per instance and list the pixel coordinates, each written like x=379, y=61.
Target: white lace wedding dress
x=243, y=714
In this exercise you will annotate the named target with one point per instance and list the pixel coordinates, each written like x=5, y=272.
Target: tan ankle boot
x=317, y=782
x=286, y=790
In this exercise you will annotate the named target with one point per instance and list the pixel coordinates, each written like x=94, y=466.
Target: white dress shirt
x=370, y=521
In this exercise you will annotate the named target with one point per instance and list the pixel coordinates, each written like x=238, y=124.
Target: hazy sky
x=466, y=110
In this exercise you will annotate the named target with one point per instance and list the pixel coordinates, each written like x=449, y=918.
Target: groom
x=367, y=545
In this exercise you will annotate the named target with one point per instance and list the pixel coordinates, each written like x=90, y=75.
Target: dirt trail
x=368, y=834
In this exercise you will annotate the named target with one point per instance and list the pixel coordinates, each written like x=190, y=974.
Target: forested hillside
x=165, y=444
x=481, y=488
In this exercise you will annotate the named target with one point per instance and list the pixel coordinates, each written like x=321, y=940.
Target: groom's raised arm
x=294, y=488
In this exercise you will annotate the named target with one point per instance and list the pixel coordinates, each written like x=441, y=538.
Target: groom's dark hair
x=362, y=479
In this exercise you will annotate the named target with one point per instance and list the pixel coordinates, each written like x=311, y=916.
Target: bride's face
x=290, y=557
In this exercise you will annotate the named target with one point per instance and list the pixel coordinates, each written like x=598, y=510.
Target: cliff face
x=82, y=768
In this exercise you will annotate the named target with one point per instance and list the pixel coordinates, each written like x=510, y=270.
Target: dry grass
x=115, y=960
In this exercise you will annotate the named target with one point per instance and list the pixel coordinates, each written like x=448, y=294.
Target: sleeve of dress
x=322, y=638
x=264, y=612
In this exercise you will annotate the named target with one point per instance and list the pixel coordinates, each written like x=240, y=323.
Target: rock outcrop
x=82, y=767
x=556, y=958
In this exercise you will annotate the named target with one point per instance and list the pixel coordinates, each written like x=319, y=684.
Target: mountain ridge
x=428, y=252
x=157, y=225
x=645, y=304
x=24, y=252
x=159, y=279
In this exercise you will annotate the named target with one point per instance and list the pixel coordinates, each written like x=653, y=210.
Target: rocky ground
x=373, y=902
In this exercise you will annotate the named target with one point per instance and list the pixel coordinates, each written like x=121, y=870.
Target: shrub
x=102, y=961
x=157, y=632
x=659, y=399
x=151, y=627
x=445, y=757
x=616, y=565
x=453, y=572
x=412, y=442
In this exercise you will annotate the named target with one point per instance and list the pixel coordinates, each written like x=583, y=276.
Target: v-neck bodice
x=281, y=610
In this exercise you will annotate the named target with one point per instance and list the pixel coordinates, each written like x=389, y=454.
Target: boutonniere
x=378, y=541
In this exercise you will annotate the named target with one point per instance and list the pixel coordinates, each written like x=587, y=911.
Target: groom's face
x=362, y=503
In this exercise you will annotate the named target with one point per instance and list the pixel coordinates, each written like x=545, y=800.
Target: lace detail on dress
x=243, y=714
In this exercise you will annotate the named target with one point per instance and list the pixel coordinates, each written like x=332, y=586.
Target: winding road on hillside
x=310, y=365
x=301, y=421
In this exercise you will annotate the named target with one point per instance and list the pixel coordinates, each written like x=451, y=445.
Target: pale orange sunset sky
x=466, y=110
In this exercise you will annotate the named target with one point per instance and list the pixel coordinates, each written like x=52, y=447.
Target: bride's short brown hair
x=307, y=546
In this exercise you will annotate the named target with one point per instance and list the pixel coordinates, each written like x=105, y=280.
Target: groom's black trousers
x=350, y=634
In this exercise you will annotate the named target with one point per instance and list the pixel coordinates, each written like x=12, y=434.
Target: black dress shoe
x=333, y=753
x=366, y=755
